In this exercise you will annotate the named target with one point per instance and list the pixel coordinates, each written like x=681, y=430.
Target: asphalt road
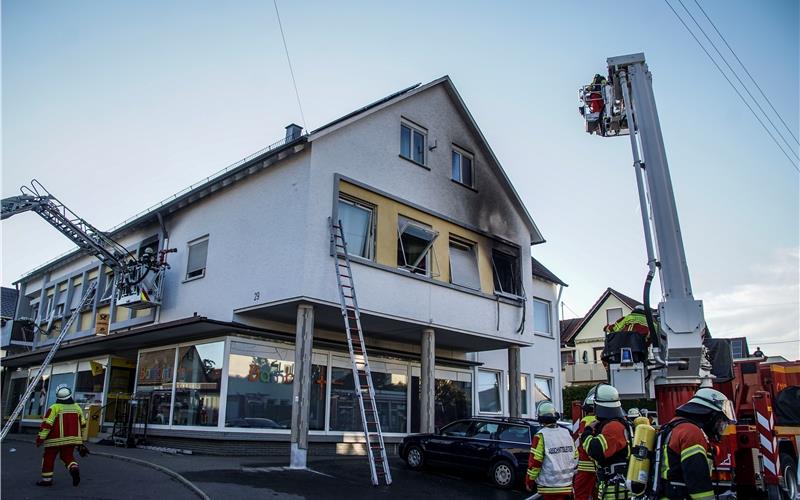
x=100, y=478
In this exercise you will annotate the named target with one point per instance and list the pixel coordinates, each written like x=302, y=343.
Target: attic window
x=414, y=242
x=506, y=273
x=412, y=143
x=461, y=167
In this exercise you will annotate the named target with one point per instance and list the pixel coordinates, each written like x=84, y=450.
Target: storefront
x=238, y=384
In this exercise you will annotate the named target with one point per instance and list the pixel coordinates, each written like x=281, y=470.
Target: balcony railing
x=584, y=373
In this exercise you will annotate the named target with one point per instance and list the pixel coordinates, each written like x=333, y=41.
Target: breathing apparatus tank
x=644, y=440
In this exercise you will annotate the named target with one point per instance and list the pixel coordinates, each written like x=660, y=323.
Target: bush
x=579, y=392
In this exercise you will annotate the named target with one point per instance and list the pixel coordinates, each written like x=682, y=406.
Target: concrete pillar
x=514, y=375
x=426, y=381
x=301, y=386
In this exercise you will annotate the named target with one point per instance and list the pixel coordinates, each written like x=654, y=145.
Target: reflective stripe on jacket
x=585, y=462
x=551, y=464
x=62, y=425
x=686, y=460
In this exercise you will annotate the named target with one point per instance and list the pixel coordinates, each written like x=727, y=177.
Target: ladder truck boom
x=623, y=103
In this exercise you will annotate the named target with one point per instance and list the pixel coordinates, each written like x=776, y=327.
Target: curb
x=171, y=473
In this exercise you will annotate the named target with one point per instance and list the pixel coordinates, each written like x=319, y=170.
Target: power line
x=286, y=49
x=731, y=84
x=781, y=342
x=748, y=72
x=735, y=74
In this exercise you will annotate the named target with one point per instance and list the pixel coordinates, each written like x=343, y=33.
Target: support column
x=426, y=381
x=301, y=386
x=514, y=375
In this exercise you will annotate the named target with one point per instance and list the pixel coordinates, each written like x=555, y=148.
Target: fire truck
x=758, y=455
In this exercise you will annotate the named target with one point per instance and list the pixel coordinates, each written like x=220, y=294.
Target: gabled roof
x=392, y=99
x=285, y=147
x=542, y=272
x=628, y=301
x=8, y=302
x=568, y=327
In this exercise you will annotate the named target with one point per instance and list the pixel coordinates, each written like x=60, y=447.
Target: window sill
x=544, y=335
x=415, y=162
x=194, y=278
x=516, y=299
x=464, y=185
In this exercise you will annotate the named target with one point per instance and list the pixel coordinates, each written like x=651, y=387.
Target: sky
x=114, y=106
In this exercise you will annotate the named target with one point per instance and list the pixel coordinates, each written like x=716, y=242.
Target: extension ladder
x=362, y=378
x=87, y=297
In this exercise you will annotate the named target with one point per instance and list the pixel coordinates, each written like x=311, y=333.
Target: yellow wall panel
x=387, y=213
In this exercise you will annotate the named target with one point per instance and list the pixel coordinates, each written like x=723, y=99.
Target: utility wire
x=731, y=84
x=286, y=49
x=748, y=73
x=789, y=146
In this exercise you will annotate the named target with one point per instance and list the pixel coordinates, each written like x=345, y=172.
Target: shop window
x=89, y=383
x=541, y=317
x=464, y=265
x=489, y=391
x=197, y=385
x=612, y=315
x=154, y=379
x=414, y=246
x=15, y=391
x=62, y=375
x=452, y=401
x=390, y=398
x=506, y=273
x=358, y=225
x=196, y=261
x=260, y=385
x=36, y=405
x=120, y=386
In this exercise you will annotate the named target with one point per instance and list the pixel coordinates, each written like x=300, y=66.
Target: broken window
x=196, y=262
x=414, y=246
x=358, y=227
x=412, y=143
x=506, y=273
x=464, y=265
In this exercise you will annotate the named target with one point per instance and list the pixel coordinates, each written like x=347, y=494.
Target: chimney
x=293, y=131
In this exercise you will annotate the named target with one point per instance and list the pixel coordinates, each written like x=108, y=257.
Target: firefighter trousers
x=585, y=485
x=49, y=459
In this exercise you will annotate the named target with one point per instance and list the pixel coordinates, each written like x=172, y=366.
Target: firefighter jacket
x=585, y=463
x=551, y=463
x=63, y=424
x=686, y=462
x=635, y=322
x=609, y=447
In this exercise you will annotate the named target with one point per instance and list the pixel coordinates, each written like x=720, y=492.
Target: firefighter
x=61, y=430
x=633, y=414
x=551, y=463
x=584, y=484
x=686, y=454
x=607, y=442
x=635, y=322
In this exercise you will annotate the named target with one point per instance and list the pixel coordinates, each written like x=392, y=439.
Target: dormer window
x=412, y=142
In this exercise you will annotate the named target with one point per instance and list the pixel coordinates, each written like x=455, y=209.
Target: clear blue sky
x=117, y=105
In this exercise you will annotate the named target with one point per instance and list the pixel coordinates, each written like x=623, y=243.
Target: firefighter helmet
x=63, y=392
x=634, y=413
x=606, y=402
x=710, y=399
x=546, y=412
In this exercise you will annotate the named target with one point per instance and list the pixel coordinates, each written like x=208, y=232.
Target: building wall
x=591, y=336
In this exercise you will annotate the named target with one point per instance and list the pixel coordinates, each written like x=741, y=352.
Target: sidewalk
x=233, y=478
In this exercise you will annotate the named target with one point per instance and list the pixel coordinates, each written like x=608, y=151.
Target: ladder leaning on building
x=362, y=378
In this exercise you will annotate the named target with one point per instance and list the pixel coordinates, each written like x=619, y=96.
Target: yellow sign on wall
x=101, y=323
x=97, y=368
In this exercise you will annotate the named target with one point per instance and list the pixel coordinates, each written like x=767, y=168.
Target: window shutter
x=197, y=258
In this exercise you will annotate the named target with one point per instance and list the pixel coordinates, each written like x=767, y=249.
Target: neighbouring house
x=8, y=304
x=440, y=245
x=582, y=338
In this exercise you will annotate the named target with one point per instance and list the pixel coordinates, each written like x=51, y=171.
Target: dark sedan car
x=497, y=446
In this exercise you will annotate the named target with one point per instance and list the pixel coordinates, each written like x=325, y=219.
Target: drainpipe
x=558, y=330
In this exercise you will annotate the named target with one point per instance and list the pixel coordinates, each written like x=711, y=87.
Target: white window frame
x=500, y=389
x=462, y=153
x=404, y=223
x=621, y=314
x=533, y=389
x=466, y=246
x=518, y=276
x=189, y=246
x=549, y=307
x=414, y=128
x=371, y=231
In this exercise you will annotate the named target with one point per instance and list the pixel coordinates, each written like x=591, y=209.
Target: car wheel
x=789, y=476
x=503, y=474
x=414, y=458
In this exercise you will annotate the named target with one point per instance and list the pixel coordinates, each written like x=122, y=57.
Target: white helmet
x=716, y=401
x=606, y=402
x=63, y=392
x=633, y=413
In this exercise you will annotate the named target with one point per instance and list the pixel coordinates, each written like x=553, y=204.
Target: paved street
x=229, y=478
